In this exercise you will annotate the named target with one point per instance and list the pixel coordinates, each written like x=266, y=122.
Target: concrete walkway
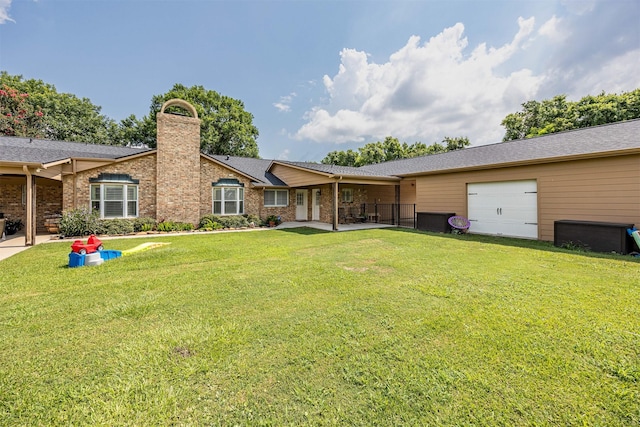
x=15, y=243
x=328, y=227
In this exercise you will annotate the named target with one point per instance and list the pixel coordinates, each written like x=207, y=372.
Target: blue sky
x=330, y=75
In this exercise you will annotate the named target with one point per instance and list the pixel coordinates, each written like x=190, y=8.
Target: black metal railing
x=401, y=215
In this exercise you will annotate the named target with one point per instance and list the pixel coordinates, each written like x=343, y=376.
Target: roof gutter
x=547, y=160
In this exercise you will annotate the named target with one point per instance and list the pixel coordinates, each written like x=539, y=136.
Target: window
x=347, y=195
x=276, y=197
x=228, y=200
x=114, y=200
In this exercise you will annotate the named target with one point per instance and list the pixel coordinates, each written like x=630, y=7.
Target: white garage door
x=504, y=208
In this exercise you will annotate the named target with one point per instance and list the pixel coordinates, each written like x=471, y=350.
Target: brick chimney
x=178, y=167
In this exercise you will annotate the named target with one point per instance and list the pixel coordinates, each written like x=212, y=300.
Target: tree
x=17, y=116
x=65, y=116
x=392, y=149
x=226, y=128
x=557, y=114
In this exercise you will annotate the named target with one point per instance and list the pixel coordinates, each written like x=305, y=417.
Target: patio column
x=30, y=226
x=335, y=206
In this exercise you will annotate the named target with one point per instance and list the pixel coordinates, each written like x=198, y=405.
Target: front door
x=315, y=212
x=301, y=205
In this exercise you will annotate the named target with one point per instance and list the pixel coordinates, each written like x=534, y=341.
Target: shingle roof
x=580, y=142
x=29, y=150
x=333, y=169
x=255, y=168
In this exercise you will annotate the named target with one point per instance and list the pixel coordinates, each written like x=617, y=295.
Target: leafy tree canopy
x=17, y=116
x=557, y=114
x=64, y=116
x=226, y=128
x=391, y=149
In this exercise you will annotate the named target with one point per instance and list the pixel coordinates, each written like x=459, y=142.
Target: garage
x=504, y=208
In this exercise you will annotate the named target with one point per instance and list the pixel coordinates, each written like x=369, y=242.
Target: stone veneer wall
x=142, y=168
x=178, y=168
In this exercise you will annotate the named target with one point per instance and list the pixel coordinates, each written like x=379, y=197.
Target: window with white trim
x=347, y=195
x=114, y=200
x=228, y=198
x=274, y=198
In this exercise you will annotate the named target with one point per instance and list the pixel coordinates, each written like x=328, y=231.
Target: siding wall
x=605, y=189
x=381, y=194
x=298, y=178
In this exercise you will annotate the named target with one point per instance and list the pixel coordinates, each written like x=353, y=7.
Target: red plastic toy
x=93, y=244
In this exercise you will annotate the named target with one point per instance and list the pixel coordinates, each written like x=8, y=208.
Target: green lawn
x=377, y=327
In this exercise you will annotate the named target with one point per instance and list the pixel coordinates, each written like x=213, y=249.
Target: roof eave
x=546, y=160
x=275, y=162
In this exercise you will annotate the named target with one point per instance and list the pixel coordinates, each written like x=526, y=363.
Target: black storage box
x=434, y=221
x=596, y=236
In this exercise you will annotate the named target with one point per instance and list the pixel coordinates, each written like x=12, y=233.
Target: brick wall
x=48, y=200
x=142, y=168
x=287, y=213
x=178, y=168
x=211, y=172
x=11, y=199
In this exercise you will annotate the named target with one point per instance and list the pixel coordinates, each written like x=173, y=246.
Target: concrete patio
x=328, y=227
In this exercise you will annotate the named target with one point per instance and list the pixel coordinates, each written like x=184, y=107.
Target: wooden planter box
x=434, y=221
x=597, y=236
x=52, y=224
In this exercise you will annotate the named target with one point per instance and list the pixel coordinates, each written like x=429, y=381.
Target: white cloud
x=579, y=7
x=617, y=75
x=423, y=92
x=284, y=155
x=5, y=5
x=285, y=102
x=554, y=30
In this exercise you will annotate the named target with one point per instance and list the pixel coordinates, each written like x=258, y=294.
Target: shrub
x=207, y=220
x=214, y=222
x=115, y=226
x=143, y=224
x=253, y=219
x=183, y=226
x=79, y=222
x=234, y=222
x=273, y=218
x=166, y=226
x=209, y=225
x=146, y=227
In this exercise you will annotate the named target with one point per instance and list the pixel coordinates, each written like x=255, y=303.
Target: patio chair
x=345, y=216
x=2, y=227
